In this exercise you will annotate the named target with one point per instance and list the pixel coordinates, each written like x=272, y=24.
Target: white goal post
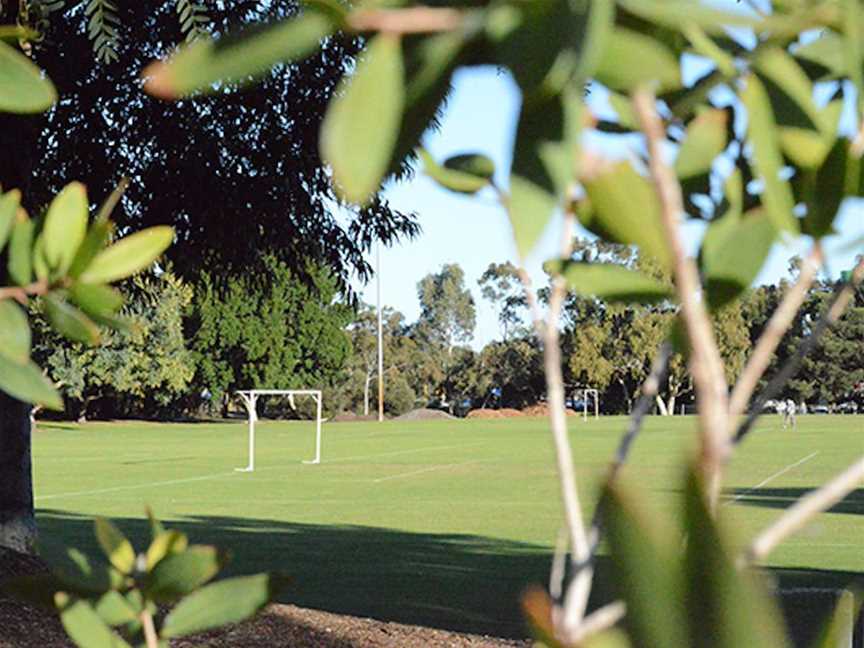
x=250, y=400
x=585, y=394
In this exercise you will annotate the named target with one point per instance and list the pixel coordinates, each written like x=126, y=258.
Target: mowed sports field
x=434, y=522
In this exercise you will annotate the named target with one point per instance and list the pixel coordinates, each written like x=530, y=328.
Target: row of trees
x=194, y=343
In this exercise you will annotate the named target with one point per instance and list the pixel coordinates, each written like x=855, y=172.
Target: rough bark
x=17, y=522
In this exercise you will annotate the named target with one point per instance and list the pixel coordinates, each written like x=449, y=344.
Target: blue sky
x=473, y=231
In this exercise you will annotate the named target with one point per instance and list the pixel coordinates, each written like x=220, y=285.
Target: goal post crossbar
x=250, y=400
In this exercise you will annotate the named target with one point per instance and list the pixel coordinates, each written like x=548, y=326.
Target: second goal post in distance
x=250, y=400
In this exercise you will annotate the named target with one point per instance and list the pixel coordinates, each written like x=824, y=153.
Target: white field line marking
x=113, y=489
x=424, y=470
x=100, y=491
x=772, y=477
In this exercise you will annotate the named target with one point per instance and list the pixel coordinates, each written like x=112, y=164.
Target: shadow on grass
x=783, y=498
x=456, y=582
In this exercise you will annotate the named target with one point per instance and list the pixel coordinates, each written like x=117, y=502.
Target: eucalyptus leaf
x=624, y=209
x=27, y=383
x=704, y=141
x=14, y=332
x=129, y=255
x=115, y=545
x=361, y=127
x=229, y=601
x=84, y=626
x=20, y=262
x=96, y=299
x=178, y=574
x=65, y=226
x=762, y=133
x=70, y=321
x=632, y=58
x=23, y=87
x=205, y=64
x=114, y=609
x=530, y=209
x=9, y=205
x=466, y=174
x=612, y=283
x=165, y=543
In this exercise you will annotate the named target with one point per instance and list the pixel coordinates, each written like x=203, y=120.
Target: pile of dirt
x=502, y=413
x=424, y=414
x=542, y=409
x=278, y=626
x=347, y=417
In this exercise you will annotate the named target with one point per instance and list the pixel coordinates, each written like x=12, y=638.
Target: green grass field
x=440, y=523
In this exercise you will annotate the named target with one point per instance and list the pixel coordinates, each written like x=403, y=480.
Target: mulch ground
x=278, y=626
x=502, y=413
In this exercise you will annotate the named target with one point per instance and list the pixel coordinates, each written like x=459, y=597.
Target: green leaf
x=826, y=51
x=841, y=626
x=632, y=59
x=727, y=608
x=705, y=140
x=177, y=574
x=83, y=624
x=828, y=191
x=466, y=174
x=129, y=255
x=530, y=209
x=228, y=601
x=14, y=332
x=40, y=264
x=96, y=299
x=647, y=568
x=115, y=545
x=762, y=133
x=20, y=263
x=23, y=87
x=65, y=226
x=680, y=13
x=611, y=282
x=204, y=64
x=624, y=209
x=733, y=252
x=362, y=124
x=165, y=543
x=156, y=527
x=77, y=570
x=27, y=383
x=95, y=241
x=703, y=45
x=115, y=610
x=69, y=321
x=10, y=202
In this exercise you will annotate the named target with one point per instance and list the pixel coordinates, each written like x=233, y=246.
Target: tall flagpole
x=380, y=334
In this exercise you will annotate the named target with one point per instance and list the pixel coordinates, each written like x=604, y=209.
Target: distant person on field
x=789, y=410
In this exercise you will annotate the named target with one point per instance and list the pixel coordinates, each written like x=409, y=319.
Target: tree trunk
x=366, y=393
x=662, y=406
x=17, y=522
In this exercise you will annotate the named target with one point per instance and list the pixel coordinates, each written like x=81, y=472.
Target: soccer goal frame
x=585, y=394
x=250, y=400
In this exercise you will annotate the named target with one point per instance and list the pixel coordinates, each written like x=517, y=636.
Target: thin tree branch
x=834, y=312
x=805, y=508
x=773, y=334
x=650, y=388
x=706, y=365
x=598, y=621
x=22, y=293
x=558, y=572
x=415, y=20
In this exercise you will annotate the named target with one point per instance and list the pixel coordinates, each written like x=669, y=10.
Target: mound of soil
x=542, y=409
x=424, y=414
x=278, y=626
x=494, y=414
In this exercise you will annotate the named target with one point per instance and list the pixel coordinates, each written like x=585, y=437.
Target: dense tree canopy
x=237, y=172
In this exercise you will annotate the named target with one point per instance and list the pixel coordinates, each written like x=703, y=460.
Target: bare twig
x=805, y=508
x=770, y=339
x=598, y=621
x=706, y=365
x=834, y=312
x=558, y=572
x=415, y=20
x=22, y=293
x=150, y=636
x=650, y=388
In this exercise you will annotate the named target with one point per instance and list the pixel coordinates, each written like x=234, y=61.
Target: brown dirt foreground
x=278, y=626
x=494, y=414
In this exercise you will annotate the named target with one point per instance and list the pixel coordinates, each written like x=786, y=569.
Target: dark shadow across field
x=782, y=498
x=457, y=582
